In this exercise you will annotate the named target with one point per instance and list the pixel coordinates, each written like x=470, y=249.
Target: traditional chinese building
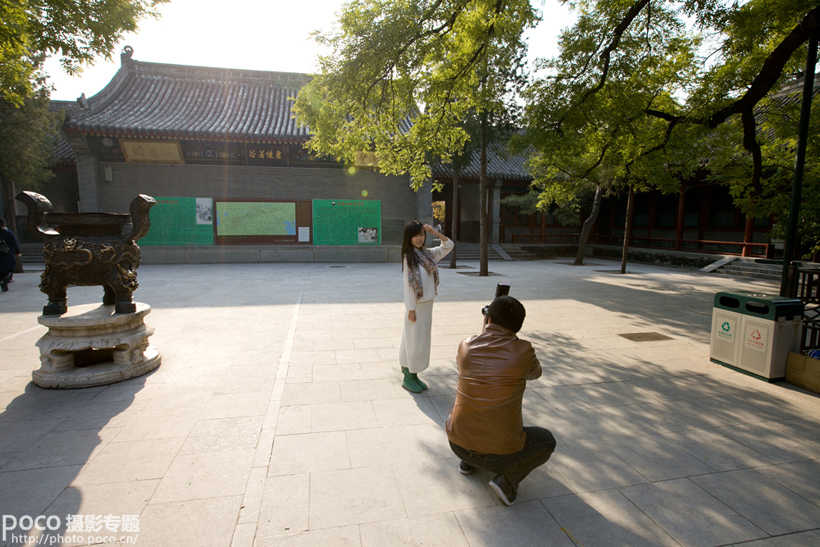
x=222, y=152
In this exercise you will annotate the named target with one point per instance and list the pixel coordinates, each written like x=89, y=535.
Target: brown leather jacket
x=493, y=369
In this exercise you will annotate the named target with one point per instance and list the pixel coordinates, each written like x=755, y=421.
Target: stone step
x=768, y=274
x=472, y=251
x=753, y=275
x=754, y=265
x=751, y=269
x=747, y=267
x=31, y=252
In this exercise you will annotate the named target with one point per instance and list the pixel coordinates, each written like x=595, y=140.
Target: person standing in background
x=9, y=251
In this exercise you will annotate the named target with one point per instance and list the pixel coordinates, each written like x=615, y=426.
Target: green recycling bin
x=754, y=333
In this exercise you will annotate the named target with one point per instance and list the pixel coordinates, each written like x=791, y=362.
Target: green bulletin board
x=181, y=221
x=347, y=222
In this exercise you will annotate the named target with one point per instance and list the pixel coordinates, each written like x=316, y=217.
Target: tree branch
x=771, y=70
x=614, y=43
x=750, y=143
x=606, y=54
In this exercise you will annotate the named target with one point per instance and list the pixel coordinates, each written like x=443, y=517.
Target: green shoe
x=411, y=382
x=417, y=379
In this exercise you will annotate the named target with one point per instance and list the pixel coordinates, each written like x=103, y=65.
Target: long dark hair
x=411, y=230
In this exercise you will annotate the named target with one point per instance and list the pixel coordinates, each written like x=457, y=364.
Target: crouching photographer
x=485, y=427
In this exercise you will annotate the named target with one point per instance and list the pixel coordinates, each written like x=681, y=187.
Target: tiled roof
x=792, y=92
x=153, y=100
x=499, y=165
x=62, y=150
x=173, y=101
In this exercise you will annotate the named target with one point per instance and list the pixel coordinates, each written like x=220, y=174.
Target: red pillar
x=681, y=217
x=748, y=235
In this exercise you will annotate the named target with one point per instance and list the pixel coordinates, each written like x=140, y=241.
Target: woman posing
x=420, y=276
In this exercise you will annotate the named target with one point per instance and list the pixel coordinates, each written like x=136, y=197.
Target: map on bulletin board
x=180, y=221
x=243, y=218
x=347, y=222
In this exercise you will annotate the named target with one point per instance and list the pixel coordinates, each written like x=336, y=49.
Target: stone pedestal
x=92, y=346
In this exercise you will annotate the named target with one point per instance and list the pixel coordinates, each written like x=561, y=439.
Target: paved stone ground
x=277, y=417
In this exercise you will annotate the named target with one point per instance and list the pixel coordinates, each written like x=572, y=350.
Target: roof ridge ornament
x=125, y=56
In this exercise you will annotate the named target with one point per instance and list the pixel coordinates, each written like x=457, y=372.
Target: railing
x=805, y=285
x=761, y=250
x=545, y=238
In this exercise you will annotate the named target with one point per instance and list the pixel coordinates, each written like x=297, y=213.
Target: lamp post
x=799, y=163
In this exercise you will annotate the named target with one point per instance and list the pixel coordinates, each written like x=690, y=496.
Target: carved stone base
x=93, y=346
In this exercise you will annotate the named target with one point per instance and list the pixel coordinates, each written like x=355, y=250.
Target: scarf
x=414, y=274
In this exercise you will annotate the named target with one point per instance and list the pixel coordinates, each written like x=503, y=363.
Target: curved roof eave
x=175, y=101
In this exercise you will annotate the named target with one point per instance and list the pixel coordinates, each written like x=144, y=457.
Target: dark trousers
x=538, y=448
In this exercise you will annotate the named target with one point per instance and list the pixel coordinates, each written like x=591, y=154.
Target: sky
x=269, y=35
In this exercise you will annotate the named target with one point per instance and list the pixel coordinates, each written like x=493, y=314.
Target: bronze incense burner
x=87, y=249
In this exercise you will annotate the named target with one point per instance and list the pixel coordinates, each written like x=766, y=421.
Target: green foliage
x=586, y=133
x=743, y=38
x=646, y=92
x=532, y=203
x=430, y=61
x=27, y=135
x=526, y=203
x=75, y=30
x=763, y=43
x=15, y=69
x=778, y=127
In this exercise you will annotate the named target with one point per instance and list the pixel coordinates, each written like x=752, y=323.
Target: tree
x=28, y=133
x=78, y=31
x=403, y=76
x=15, y=69
x=587, y=120
x=777, y=117
x=750, y=49
x=493, y=129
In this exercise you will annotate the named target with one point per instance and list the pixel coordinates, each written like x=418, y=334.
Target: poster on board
x=180, y=221
x=347, y=222
x=261, y=222
x=255, y=218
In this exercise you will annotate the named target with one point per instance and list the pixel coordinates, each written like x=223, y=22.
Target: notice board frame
x=303, y=219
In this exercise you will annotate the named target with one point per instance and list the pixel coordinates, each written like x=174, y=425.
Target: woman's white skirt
x=414, y=351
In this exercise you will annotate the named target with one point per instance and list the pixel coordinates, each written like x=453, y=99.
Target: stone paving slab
x=277, y=417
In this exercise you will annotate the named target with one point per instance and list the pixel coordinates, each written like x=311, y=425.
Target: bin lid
x=759, y=305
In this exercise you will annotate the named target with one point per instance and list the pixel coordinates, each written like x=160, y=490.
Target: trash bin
x=754, y=333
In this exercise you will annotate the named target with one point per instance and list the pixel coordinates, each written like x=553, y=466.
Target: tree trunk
x=630, y=205
x=587, y=227
x=483, y=202
x=454, y=219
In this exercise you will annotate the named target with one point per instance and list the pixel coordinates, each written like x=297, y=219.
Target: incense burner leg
x=57, y=301
x=109, y=296
x=119, y=296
